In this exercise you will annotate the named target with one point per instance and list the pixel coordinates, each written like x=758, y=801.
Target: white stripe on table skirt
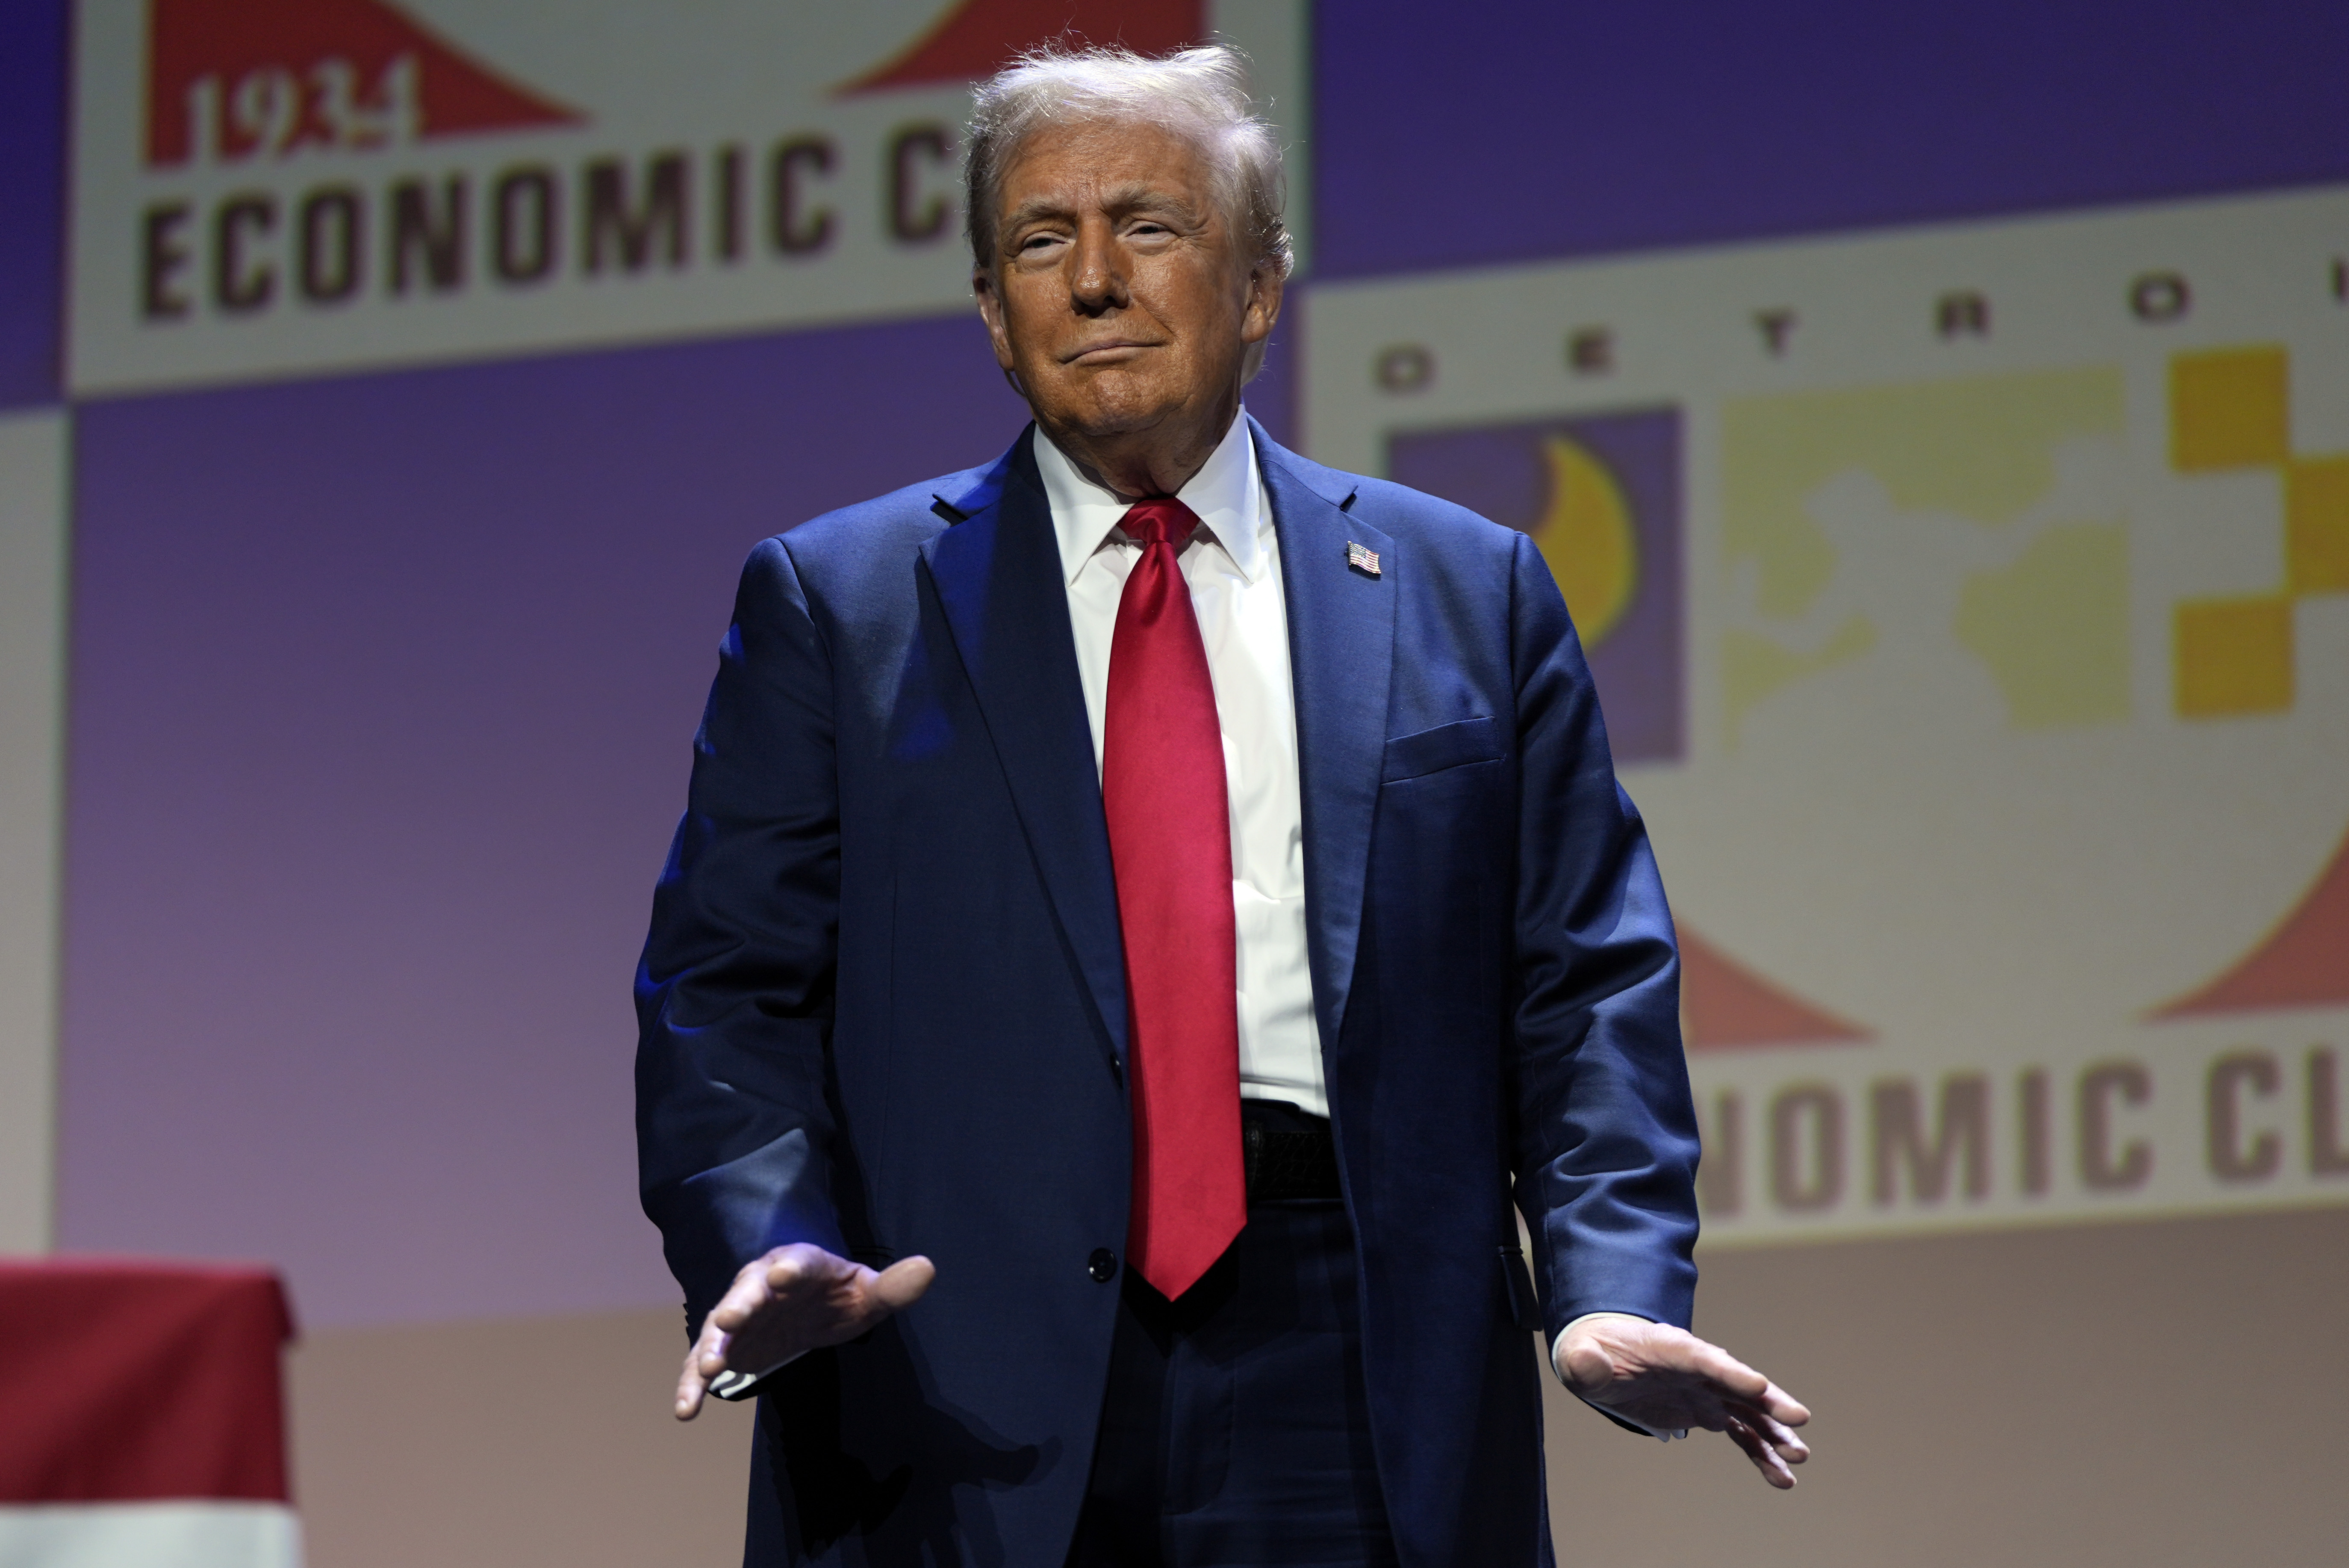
x=178, y=1534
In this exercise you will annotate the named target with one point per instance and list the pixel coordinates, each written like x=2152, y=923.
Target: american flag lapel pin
x=1366, y=561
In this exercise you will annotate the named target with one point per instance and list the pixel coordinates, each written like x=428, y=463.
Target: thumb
x=1589, y=1369
x=901, y=1285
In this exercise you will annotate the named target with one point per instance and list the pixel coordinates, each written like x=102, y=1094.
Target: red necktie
x=1170, y=838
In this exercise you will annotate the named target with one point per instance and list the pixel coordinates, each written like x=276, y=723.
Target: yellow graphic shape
x=1982, y=449
x=2052, y=627
x=1587, y=536
x=1753, y=665
x=2232, y=409
x=2234, y=656
x=2229, y=409
x=2316, y=525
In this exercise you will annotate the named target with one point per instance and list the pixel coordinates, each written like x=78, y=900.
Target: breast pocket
x=1448, y=746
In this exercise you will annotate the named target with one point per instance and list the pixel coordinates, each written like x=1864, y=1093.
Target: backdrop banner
x=272, y=186
x=1971, y=607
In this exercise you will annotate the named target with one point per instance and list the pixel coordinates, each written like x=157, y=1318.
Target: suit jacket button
x=1103, y=1264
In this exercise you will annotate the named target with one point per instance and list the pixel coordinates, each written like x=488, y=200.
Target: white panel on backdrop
x=1993, y=711
x=33, y=552
x=317, y=185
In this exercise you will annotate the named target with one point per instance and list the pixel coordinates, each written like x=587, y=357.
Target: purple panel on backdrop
x=1449, y=136
x=1272, y=396
x=382, y=695
x=33, y=52
x=1639, y=661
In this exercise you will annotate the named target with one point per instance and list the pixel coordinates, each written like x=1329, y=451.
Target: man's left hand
x=1668, y=1380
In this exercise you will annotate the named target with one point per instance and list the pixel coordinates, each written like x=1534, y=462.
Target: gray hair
x=1200, y=92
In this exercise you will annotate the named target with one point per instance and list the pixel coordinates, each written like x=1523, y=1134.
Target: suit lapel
x=999, y=585
x=1341, y=624
x=999, y=581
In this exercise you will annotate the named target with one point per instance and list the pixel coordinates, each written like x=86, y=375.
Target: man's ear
x=990, y=311
x=1265, y=289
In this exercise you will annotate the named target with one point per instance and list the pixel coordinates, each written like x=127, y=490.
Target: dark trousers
x=1236, y=1432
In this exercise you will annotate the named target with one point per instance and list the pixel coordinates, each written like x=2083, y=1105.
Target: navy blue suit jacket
x=883, y=1007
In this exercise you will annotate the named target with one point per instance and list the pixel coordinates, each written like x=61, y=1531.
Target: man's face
x=1119, y=296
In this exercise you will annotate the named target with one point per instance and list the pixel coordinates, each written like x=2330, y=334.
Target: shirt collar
x=1226, y=494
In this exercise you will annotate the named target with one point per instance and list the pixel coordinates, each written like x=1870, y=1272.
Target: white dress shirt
x=1232, y=564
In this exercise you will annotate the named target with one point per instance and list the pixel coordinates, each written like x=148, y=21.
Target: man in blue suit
x=1156, y=901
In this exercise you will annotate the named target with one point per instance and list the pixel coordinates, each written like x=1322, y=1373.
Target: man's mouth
x=1109, y=349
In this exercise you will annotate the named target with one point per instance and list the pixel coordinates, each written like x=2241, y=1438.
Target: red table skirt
x=142, y=1415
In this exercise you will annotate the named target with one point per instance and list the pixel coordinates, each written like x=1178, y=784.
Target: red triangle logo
x=1725, y=1007
x=978, y=37
x=2303, y=962
x=232, y=79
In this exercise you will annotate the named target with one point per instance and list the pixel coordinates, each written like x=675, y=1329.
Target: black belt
x=1289, y=1153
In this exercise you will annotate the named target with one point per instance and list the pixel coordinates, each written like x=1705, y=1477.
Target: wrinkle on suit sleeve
x=734, y=992
x=1606, y=1131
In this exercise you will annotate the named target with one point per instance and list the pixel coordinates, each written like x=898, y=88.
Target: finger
x=786, y=1271
x=742, y=1300
x=1765, y=1458
x=1589, y=1368
x=1787, y=1446
x=1687, y=1353
x=691, y=1386
x=1783, y=1407
x=1790, y=1448
x=1743, y=1436
x=1774, y=1467
x=902, y=1283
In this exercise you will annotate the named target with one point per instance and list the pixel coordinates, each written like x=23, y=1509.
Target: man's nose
x=1097, y=274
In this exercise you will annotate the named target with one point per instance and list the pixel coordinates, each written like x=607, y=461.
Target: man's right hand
x=1668, y=1380
x=795, y=1299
